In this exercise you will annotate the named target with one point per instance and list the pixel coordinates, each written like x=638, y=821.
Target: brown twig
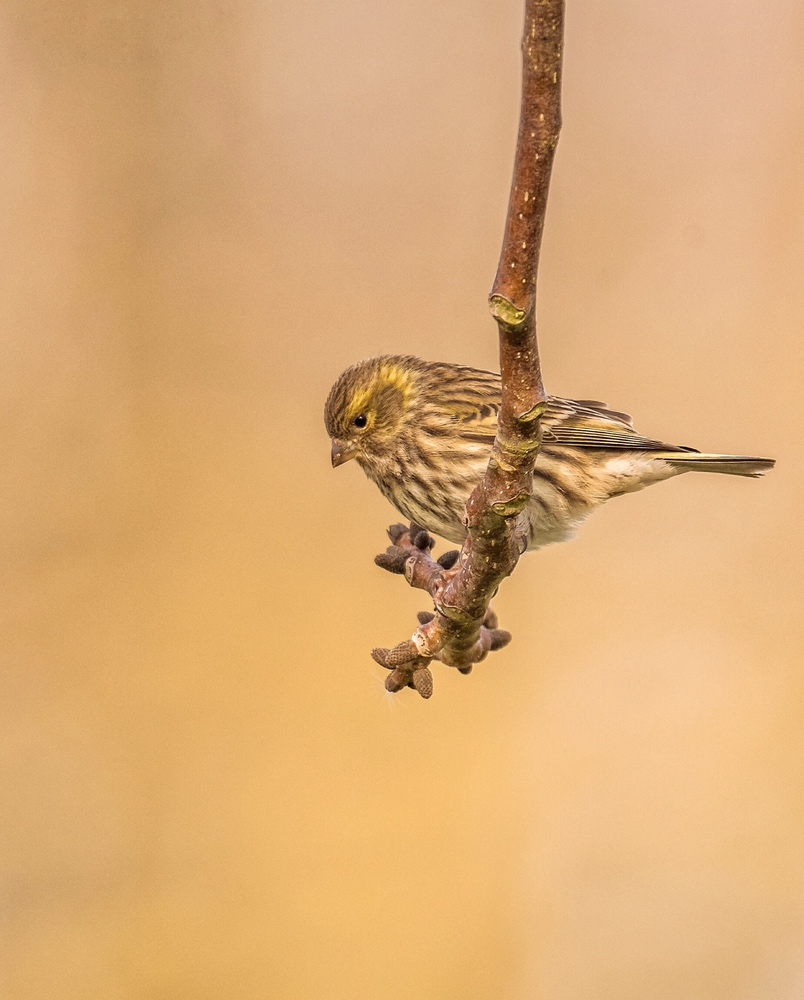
x=463, y=629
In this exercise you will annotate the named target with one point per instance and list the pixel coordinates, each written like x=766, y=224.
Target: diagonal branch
x=463, y=630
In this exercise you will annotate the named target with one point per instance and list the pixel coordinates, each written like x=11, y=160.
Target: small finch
x=423, y=433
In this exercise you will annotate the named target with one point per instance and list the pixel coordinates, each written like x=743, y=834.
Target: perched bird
x=423, y=432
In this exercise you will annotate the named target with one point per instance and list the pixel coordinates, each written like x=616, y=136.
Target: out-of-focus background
x=208, y=210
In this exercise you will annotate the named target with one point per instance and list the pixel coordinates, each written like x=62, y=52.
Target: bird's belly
x=556, y=521
x=428, y=505
x=562, y=497
x=568, y=484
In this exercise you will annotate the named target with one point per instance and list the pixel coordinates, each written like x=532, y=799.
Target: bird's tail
x=729, y=465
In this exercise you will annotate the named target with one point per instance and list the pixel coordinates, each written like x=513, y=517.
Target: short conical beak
x=341, y=452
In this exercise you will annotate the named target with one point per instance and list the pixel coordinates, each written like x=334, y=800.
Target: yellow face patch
x=389, y=376
x=397, y=377
x=359, y=403
x=401, y=380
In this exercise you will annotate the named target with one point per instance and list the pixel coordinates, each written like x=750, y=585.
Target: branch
x=463, y=629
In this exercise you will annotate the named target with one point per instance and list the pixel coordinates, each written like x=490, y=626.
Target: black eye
x=361, y=420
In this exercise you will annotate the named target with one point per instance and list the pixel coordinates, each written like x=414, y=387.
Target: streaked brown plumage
x=423, y=432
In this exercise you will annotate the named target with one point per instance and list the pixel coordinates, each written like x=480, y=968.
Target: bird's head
x=368, y=407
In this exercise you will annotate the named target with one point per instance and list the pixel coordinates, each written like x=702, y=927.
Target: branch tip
x=403, y=653
x=396, y=531
x=393, y=560
x=499, y=638
x=397, y=680
x=423, y=541
x=423, y=681
x=448, y=559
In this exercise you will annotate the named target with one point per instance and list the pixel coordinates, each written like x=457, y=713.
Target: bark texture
x=463, y=630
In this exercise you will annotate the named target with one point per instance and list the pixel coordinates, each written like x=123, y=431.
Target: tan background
x=208, y=210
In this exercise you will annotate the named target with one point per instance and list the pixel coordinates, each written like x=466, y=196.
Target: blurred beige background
x=208, y=211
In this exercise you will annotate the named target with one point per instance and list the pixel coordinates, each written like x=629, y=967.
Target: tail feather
x=729, y=465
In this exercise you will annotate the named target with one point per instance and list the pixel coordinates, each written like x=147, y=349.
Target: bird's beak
x=341, y=452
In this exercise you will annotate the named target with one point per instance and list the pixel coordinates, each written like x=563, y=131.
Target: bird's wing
x=477, y=421
x=586, y=423
x=576, y=423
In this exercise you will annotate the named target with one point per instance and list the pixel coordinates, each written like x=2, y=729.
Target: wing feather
x=576, y=423
x=588, y=424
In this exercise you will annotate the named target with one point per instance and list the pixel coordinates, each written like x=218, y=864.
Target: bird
x=423, y=432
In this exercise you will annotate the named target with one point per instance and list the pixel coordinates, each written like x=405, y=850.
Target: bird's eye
x=361, y=420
